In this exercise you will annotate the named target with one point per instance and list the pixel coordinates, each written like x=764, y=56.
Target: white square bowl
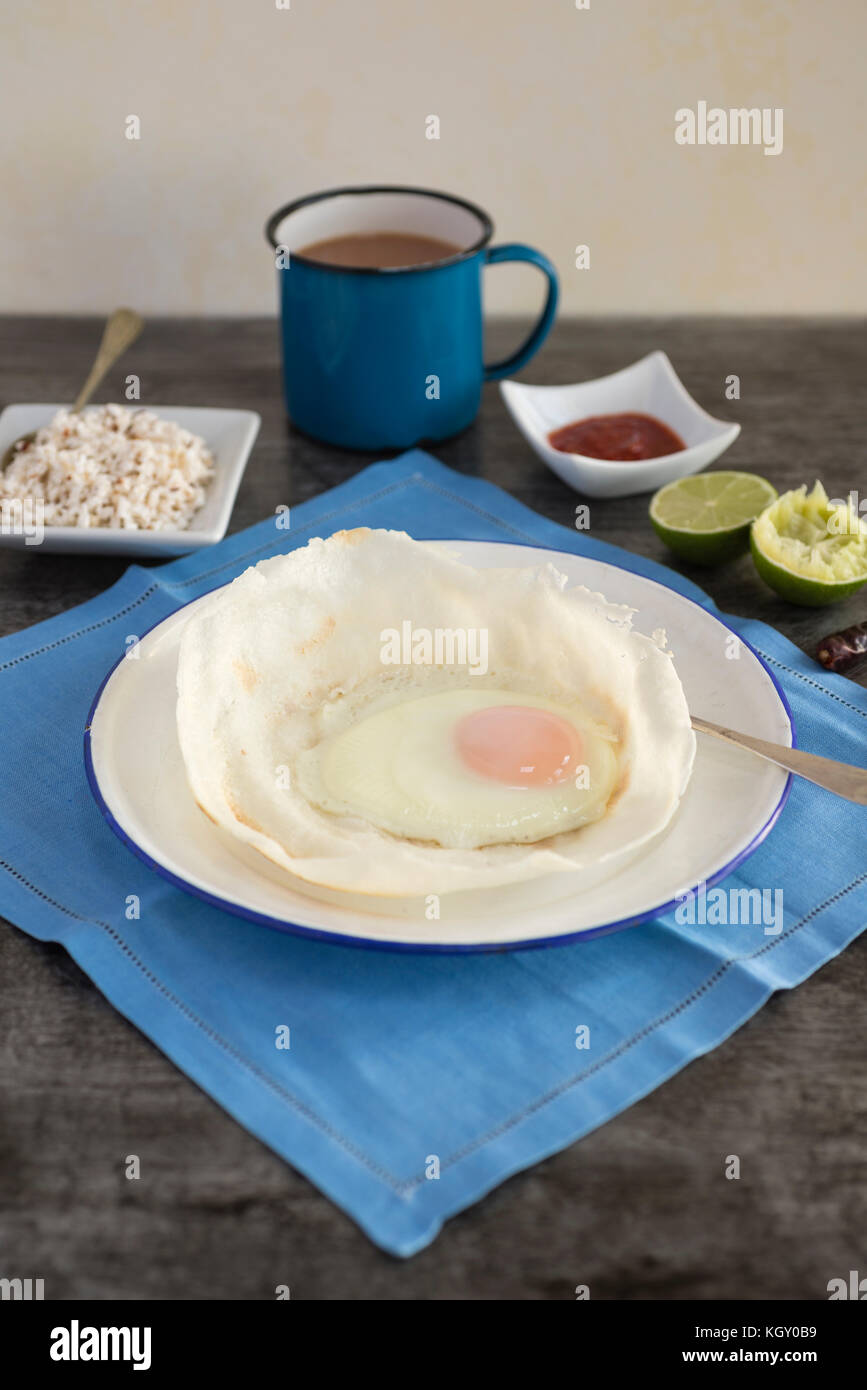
x=229, y=434
x=650, y=386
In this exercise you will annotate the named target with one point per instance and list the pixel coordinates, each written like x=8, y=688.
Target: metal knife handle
x=841, y=778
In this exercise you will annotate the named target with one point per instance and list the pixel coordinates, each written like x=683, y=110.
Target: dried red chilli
x=842, y=650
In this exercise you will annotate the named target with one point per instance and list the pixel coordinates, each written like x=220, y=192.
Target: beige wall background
x=559, y=121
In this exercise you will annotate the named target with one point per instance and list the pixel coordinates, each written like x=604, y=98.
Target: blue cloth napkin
x=412, y=1084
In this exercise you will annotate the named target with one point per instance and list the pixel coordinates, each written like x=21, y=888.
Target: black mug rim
x=362, y=189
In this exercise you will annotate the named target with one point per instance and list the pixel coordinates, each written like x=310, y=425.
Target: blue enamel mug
x=388, y=357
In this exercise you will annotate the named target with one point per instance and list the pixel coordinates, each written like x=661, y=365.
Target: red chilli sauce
x=623, y=438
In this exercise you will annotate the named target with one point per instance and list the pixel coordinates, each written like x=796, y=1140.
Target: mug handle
x=515, y=251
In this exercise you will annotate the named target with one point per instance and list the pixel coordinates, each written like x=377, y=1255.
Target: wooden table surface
x=639, y=1209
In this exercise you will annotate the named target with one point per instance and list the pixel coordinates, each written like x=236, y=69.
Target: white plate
x=229, y=434
x=651, y=387
x=136, y=772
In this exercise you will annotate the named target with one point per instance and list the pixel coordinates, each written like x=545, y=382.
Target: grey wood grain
x=639, y=1209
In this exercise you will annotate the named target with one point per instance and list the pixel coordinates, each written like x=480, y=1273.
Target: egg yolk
x=518, y=745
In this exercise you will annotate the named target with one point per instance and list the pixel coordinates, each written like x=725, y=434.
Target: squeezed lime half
x=810, y=550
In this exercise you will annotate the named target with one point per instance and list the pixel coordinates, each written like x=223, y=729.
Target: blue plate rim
x=440, y=948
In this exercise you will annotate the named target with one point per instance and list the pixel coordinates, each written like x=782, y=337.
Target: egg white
x=400, y=770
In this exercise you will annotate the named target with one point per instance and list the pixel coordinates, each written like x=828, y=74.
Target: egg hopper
x=136, y=774
x=510, y=900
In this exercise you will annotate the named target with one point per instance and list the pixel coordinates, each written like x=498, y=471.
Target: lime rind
x=810, y=593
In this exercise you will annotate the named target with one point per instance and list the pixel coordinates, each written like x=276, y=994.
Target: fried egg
x=542, y=735
x=466, y=768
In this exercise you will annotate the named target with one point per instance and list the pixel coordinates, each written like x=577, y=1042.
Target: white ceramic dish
x=137, y=776
x=651, y=387
x=229, y=434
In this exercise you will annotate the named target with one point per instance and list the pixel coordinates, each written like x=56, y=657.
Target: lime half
x=706, y=518
x=810, y=550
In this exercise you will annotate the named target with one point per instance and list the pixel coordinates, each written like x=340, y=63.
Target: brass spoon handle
x=841, y=778
x=123, y=327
